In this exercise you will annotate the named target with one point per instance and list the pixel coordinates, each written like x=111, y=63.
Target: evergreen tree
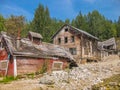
x=118, y=27
x=67, y=21
x=2, y=23
x=95, y=24
x=44, y=24
x=41, y=22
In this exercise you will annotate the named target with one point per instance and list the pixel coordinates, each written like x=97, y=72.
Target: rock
x=47, y=80
x=102, y=88
x=113, y=83
x=81, y=77
x=119, y=84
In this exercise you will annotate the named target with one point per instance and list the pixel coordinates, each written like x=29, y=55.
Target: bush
x=8, y=79
x=44, y=67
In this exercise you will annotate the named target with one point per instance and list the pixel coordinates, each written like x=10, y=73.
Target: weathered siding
x=76, y=44
x=86, y=47
x=4, y=56
x=31, y=65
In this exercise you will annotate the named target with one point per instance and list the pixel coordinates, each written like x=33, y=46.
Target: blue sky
x=61, y=9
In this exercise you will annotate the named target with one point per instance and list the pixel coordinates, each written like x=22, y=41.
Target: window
x=36, y=40
x=73, y=51
x=66, y=29
x=72, y=39
x=59, y=40
x=3, y=64
x=66, y=39
x=57, y=65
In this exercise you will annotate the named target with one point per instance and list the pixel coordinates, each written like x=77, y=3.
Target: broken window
x=59, y=40
x=73, y=51
x=36, y=40
x=66, y=40
x=66, y=29
x=86, y=48
x=72, y=39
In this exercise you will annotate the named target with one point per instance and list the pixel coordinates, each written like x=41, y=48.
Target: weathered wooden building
x=107, y=47
x=82, y=45
x=30, y=55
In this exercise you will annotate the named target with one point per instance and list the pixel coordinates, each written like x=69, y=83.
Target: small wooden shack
x=30, y=55
x=82, y=45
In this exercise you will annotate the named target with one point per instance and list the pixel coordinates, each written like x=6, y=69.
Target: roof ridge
x=80, y=30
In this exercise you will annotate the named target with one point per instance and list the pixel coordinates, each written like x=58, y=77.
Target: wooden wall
x=76, y=44
x=31, y=65
x=4, y=56
x=26, y=65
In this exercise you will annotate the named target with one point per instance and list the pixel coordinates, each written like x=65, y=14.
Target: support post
x=15, y=67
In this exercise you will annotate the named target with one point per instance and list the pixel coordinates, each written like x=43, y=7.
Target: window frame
x=65, y=39
x=72, y=39
x=57, y=62
x=66, y=29
x=73, y=51
x=1, y=64
x=59, y=40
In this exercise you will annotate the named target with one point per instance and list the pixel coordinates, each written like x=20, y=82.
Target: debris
x=82, y=77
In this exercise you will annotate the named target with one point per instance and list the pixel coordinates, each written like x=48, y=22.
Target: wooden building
x=82, y=45
x=107, y=47
x=30, y=55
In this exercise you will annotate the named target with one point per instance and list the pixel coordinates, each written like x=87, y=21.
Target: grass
x=31, y=75
x=112, y=83
x=8, y=79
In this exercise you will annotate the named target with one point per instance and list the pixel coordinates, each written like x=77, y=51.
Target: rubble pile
x=82, y=77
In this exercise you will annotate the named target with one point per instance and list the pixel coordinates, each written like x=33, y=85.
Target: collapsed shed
x=107, y=47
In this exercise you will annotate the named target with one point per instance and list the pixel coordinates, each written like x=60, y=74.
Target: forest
x=93, y=23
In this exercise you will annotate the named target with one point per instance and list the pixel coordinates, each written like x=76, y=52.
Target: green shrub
x=44, y=67
x=8, y=79
x=30, y=75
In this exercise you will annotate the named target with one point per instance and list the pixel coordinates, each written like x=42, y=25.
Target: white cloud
x=15, y=10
